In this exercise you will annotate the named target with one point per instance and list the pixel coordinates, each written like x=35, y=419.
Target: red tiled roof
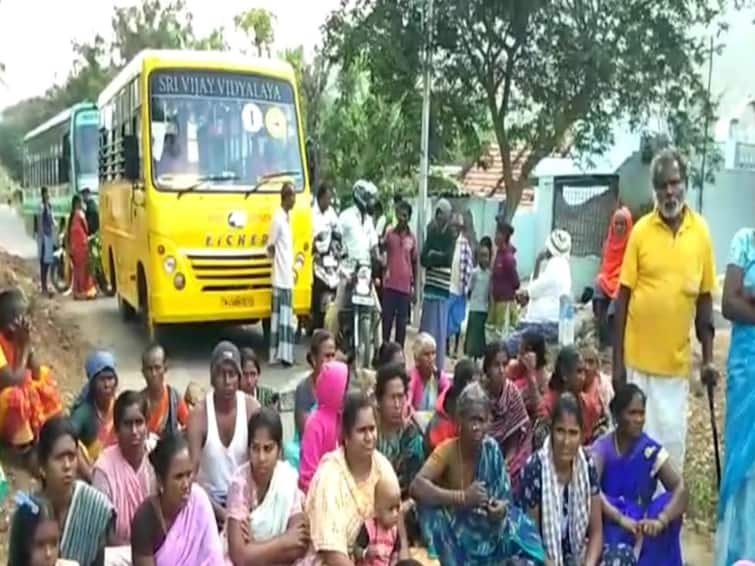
x=480, y=180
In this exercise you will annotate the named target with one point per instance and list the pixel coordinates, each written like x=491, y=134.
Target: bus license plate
x=237, y=302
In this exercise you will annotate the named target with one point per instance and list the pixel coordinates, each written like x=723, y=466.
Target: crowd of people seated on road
x=498, y=463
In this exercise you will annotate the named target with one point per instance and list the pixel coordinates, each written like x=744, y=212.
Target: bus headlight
x=179, y=281
x=169, y=264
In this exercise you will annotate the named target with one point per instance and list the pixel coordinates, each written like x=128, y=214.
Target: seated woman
x=322, y=349
x=85, y=514
x=92, y=411
x=266, y=521
x=443, y=424
x=321, y=433
x=123, y=472
x=559, y=489
x=569, y=377
x=399, y=437
x=426, y=381
x=529, y=373
x=464, y=496
x=167, y=411
x=629, y=465
x=28, y=393
x=342, y=493
x=250, y=381
x=35, y=535
x=607, y=282
x=510, y=425
x=177, y=526
x=597, y=391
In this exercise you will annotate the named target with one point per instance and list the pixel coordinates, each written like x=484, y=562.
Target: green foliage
x=257, y=24
x=549, y=76
x=153, y=24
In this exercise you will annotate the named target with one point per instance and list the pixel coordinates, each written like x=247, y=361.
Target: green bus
x=62, y=155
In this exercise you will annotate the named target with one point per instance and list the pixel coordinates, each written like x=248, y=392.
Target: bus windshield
x=229, y=128
x=86, y=148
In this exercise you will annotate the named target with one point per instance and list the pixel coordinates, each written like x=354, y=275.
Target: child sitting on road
x=382, y=540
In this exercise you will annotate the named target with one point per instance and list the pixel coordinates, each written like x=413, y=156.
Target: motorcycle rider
x=324, y=216
x=360, y=241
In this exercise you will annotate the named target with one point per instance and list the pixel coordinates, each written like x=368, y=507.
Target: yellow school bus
x=194, y=149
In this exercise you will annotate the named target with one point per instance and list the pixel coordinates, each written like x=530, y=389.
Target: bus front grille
x=243, y=271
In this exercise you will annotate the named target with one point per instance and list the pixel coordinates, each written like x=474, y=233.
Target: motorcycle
x=358, y=323
x=326, y=260
x=61, y=271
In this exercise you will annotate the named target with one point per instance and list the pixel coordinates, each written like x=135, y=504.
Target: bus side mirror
x=311, y=149
x=63, y=176
x=131, y=158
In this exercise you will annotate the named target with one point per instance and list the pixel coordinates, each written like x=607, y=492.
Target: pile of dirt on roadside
x=55, y=339
x=57, y=343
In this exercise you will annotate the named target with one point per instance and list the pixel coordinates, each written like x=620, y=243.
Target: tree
x=257, y=24
x=363, y=135
x=312, y=79
x=153, y=25
x=550, y=75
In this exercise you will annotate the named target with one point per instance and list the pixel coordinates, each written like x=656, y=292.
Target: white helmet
x=365, y=194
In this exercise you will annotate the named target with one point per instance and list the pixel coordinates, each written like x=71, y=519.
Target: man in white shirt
x=359, y=241
x=359, y=237
x=324, y=217
x=543, y=295
x=280, y=246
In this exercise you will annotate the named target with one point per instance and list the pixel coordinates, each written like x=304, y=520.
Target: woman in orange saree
x=78, y=247
x=28, y=393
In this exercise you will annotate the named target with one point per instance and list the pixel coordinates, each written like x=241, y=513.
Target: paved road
x=189, y=347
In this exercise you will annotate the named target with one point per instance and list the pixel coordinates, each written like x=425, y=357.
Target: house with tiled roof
x=485, y=178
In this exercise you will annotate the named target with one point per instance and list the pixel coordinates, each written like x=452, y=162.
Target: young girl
x=479, y=301
x=504, y=284
x=383, y=540
x=35, y=535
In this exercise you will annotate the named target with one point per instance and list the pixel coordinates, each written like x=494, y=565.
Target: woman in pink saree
x=176, y=527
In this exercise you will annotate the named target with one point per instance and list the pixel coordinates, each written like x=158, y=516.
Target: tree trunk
x=513, y=198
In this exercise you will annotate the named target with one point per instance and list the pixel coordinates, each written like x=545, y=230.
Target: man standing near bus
x=280, y=246
x=46, y=227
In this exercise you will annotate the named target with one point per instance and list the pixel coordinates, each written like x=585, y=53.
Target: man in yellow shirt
x=666, y=281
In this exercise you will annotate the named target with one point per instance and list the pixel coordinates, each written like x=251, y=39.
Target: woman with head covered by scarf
x=464, y=496
x=607, y=282
x=322, y=430
x=92, y=412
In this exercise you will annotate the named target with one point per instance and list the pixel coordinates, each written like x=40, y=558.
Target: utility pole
x=424, y=164
x=705, y=133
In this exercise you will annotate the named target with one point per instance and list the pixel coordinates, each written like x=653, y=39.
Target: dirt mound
x=58, y=345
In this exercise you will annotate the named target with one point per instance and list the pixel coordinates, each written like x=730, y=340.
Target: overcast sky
x=36, y=35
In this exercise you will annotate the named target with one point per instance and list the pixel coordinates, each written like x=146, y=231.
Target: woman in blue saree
x=629, y=465
x=735, y=538
x=464, y=496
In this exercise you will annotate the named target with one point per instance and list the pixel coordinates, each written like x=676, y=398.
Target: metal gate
x=583, y=206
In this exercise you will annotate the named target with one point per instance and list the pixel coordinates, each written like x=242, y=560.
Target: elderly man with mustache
x=666, y=282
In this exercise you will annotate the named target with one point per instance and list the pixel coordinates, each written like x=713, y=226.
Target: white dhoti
x=665, y=411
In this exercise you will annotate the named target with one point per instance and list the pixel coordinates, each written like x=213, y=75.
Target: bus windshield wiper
x=265, y=178
x=205, y=179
